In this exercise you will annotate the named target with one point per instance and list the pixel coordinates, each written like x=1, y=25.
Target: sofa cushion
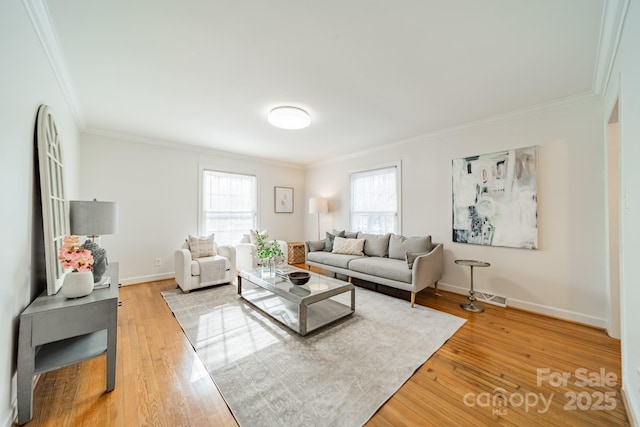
x=351, y=234
x=195, y=265
x=411, y=257
x=202, y=246
x=375, y=244
x=347, y=234
x=348, y=246
x=328, y=242
x=335, y=260
x=388, y=268
x=317, y=245
x=399, y=245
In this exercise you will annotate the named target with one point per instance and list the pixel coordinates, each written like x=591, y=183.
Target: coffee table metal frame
x=470, y=306
x=302, y=308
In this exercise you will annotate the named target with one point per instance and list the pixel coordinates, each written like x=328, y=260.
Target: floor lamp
x=318, y=206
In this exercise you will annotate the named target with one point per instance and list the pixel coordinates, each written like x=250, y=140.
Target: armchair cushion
x=202, y=246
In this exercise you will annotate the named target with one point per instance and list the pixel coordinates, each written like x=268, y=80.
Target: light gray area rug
x=337, y=376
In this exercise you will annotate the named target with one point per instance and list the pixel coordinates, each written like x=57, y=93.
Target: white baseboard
x=537, y=308
x=629, y=407
x=144, y=279
x=12, y=416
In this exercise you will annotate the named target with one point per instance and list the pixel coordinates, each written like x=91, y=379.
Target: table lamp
x=94, y=219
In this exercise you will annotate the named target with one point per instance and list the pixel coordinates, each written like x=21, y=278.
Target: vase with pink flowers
x=79, y=281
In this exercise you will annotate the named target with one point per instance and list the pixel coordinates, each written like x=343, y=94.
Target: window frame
x=201, y=214
x=398, y=169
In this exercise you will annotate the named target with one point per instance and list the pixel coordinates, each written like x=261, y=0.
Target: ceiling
x=370, y=73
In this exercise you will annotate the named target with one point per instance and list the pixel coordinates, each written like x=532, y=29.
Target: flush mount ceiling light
x=289, y=118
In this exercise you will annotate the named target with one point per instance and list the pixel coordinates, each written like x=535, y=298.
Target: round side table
x=470, y=306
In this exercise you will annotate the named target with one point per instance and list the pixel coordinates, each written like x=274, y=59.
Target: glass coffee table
x=302, y=308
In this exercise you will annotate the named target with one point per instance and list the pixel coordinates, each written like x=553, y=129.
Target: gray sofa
x=407, y=263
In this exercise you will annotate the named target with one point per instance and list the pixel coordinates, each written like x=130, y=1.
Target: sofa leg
x=349, y=279
x=413, y=299
x=437, y=294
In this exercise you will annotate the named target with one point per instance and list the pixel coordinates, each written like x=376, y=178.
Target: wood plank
x=161, y=381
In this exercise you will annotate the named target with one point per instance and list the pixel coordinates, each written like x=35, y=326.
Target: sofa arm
x=308, y=246
x=229, y=252
x=428, y=268
x=246, y=257
x=183, y=268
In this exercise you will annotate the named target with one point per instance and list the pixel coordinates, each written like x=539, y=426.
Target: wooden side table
x=470, y=306
x=295, y=252
x=57, y=332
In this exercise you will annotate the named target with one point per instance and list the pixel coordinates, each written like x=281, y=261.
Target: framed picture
x=283, y=199
x=495, y=199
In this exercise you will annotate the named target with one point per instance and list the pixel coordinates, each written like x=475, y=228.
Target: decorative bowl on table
x=299, y=277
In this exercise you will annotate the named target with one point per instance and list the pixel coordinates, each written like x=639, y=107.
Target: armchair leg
x=437, y=294
x=413, y=299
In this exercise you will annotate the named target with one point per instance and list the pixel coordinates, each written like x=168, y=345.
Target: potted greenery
x=268, y=252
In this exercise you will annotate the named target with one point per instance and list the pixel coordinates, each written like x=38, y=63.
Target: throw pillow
x=317, y=245
x=345, y=246
x=202, y=246
x=253, y=235
x=375, y=244
x=399, y=245
x=328, y=242
x=411, y=258
x=345, y=234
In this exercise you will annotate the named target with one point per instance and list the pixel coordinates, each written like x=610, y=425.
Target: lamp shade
x=93, y=218
x=318, y=205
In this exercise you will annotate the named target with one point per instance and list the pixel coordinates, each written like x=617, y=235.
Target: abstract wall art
x=495, y=200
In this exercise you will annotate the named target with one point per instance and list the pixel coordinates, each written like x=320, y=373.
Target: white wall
x=566, y=277
x=156, y=186
x=27, y=81
x=625, y=83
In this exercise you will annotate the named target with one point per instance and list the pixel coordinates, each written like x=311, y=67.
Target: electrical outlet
x=158, y=262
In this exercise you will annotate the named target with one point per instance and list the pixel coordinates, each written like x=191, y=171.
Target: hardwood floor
x=486, y=374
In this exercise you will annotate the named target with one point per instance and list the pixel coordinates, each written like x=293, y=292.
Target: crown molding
x=41, y=21
x=183, y=146
x=476, y=124
x=613, y=17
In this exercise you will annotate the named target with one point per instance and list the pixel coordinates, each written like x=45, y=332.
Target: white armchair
x=247, y=257
x=188, y=269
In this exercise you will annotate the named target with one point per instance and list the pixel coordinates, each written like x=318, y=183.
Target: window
x=375, y=200
x=228, y=205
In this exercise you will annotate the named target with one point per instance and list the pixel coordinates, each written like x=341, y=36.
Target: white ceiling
x=370, y=73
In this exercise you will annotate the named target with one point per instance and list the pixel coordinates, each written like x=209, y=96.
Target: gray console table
x=57, y=332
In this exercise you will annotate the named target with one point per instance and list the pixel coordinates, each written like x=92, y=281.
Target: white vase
x=77, y=284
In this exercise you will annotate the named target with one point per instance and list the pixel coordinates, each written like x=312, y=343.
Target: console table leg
x=112, y=340
x=26, y=367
